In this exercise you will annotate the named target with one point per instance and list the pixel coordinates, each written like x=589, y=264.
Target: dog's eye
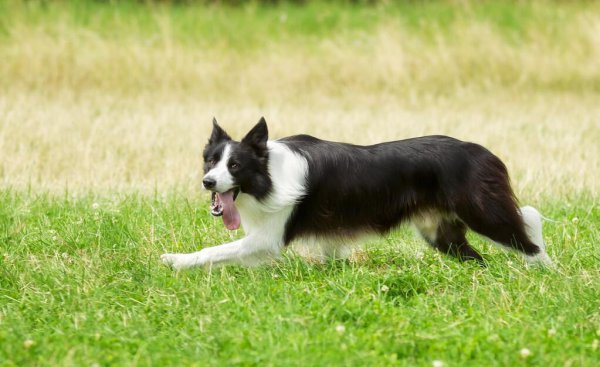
x=211, y=162
x=234, y=165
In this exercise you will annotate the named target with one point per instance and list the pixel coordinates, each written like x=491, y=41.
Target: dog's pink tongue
x=231, y=216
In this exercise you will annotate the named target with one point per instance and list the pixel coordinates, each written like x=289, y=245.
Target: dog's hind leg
x=447, y=236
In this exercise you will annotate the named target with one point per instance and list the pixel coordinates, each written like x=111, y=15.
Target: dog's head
x=231, y=167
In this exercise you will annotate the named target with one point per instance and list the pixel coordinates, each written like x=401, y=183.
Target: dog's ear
x=218, y=134
x=257, y=137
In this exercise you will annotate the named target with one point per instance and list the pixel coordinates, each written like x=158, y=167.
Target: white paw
x=177, y=261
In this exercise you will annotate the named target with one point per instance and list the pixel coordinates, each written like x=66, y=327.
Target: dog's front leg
x=247, y=251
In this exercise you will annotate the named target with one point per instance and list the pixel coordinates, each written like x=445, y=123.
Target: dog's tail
x=533, y=227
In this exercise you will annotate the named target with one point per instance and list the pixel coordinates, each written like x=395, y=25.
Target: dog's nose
x=209, y=183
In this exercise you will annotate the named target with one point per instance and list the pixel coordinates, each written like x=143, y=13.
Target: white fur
x=427, y=224
x=263, y=222
x=533, y=226
x=323, y=248
x=220, y=172
x=288, y=173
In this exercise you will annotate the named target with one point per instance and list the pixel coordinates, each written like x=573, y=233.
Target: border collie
x=304, y=188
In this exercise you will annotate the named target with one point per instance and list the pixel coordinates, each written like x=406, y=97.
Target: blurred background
x=119, y=95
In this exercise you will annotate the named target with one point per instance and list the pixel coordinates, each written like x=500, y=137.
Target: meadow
x=105, y=108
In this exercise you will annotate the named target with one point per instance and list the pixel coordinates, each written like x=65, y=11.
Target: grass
x=105, y=107
x=81, y=284
x=113, y=96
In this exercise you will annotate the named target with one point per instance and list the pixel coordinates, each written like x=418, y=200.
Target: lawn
x=105, y=108
x=81, y=284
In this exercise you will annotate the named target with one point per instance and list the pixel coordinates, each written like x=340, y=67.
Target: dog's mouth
x=223, y=204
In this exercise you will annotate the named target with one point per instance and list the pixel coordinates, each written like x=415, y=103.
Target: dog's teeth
x=216, y=210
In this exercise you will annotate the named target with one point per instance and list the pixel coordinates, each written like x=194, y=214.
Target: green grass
x=105, y=98
x=81, y=284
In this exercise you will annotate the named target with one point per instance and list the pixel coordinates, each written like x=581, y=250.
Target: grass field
x=81, y=285
x=104, y=109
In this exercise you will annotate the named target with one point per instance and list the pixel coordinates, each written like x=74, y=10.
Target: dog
x=304, y=188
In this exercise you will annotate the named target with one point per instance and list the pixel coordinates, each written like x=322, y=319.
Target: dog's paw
x=176, y=261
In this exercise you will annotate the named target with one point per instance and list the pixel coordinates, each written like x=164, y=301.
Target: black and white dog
x=301, y=187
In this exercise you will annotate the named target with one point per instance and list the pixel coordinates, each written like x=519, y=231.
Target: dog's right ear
x=218, y=134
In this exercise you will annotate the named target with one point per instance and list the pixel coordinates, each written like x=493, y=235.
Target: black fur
x=353, y=189
x=218, y=135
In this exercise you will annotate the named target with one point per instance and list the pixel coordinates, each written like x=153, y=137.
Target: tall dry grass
x=85, y=110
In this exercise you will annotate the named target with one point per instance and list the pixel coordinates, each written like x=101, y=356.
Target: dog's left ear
x=257, y=137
